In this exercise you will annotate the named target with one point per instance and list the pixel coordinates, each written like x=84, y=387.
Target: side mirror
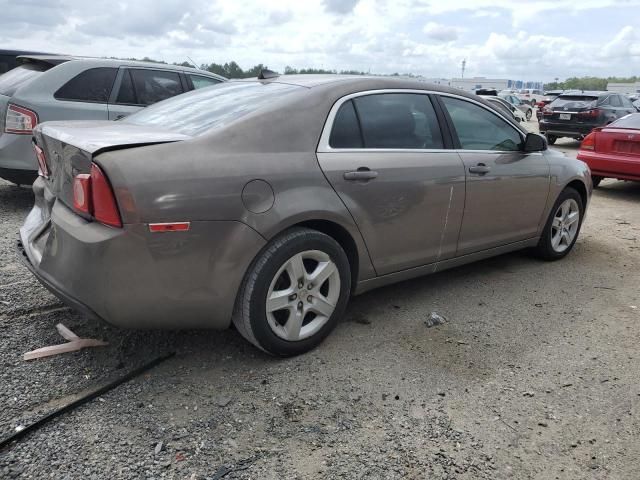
x=534, y=143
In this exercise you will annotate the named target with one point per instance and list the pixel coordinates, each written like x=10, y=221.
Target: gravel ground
x=533, y=375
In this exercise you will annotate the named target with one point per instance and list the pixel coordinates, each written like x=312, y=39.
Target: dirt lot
x=534, y=375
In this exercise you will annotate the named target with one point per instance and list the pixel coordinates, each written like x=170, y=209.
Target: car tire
x=529, y=114
x=305, y=254
x=554, y=243
x=596, y=179
x=551, y=139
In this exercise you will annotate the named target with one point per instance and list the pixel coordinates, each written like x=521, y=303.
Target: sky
x=518, y=40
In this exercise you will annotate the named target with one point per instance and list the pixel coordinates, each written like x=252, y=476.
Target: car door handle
x=480, y=169
x=363, y=173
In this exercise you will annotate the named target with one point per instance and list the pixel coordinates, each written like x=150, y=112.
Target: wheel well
x=581, y=189
x=343, y=237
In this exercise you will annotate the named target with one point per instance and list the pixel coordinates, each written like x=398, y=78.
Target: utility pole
x=464, y=64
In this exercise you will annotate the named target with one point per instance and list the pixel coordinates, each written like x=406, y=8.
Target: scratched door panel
x=410, y=214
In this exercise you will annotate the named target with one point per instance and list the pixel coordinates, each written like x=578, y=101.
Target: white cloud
x=499, y=38
x=443, y=33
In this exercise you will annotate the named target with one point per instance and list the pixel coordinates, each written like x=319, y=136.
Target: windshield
x=19, y=76
x=574, y=101
x=629, y=121
x=201, y=110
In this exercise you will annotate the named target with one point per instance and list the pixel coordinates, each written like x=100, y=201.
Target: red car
x=613, y=151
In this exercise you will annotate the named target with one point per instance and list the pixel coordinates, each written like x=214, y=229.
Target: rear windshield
x=574, y=101
x=630, y=121
x=19, y=76
x=201, y=110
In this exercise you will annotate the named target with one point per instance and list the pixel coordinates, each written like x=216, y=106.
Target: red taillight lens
x=105, y=209
x=593, y=113
x=82, y=193
x=20, y=120
x=43, y=170
x=589, y=142
x=92, y=195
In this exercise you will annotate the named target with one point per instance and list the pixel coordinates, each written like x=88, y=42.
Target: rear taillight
x=92, y=195
x=43, y=170
x=547, y=110
x=593, y=113
x=20, y=120
x=589, y=142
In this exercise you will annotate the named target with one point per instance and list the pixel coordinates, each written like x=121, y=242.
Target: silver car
x=53, y=87
x=269, y=202
x=525, y=108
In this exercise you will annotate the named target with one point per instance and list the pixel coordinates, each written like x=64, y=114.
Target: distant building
x=624, y=88
x=474, y=83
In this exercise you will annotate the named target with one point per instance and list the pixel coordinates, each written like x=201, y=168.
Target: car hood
x=95, y=136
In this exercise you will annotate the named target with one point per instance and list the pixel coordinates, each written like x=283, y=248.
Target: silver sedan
x=269, y=202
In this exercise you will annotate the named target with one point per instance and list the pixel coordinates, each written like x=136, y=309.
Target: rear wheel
x=563, y=226
x=294, y=293
x=596, y=179
x=551, y=139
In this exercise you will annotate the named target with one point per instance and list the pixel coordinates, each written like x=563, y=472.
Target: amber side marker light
x=169, y=227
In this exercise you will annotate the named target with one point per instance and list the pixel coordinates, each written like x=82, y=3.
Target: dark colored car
x=613, y=151
x=8, y=59
x=574, y=114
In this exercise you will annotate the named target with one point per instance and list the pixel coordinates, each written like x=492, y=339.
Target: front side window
x=93, y=85
x=479, y=129
x=615, y=101
x=387, y=120
x=153, y=86
x=200, y=81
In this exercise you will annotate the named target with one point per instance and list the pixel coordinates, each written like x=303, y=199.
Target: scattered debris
x=543, y=424
x=434, y=319
x=604, y=288
x=528, y=394
x=74, y=344
x=158, y=448
x=224, y=401
x=82, y=400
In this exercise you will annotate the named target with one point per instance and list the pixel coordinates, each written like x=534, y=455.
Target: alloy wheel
x=303, y=295
x=565, y=224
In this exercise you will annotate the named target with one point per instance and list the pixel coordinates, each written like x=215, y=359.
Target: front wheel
x=294, y=293
x=563, y=226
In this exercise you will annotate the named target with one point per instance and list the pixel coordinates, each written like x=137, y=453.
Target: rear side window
x=93, y=85
x=7, y=62
x=614, y=100
x=479, y=129
x=126, y=94
x=18, y=77
x=626, y=102
x=153, y=86
x=200, y=81
x=398, y=120
x=345, y=132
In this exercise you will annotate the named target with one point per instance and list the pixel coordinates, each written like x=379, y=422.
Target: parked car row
x=55, y=87
x=269, y=202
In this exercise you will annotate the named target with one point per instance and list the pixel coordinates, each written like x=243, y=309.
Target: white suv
x=530, y=96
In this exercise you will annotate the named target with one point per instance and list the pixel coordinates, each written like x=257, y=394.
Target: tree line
x=233, y=70
x=588, y=83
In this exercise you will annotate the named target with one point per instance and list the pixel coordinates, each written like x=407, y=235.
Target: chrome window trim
x=324, y=147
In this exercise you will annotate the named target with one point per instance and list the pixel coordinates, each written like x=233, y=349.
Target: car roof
x=20, y=52
x=105, y=62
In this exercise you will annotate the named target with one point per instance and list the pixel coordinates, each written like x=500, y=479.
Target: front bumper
x=132, y=278
x=571, y=130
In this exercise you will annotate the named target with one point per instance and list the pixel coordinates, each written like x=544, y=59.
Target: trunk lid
x=69, y=148
x=619, y=141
